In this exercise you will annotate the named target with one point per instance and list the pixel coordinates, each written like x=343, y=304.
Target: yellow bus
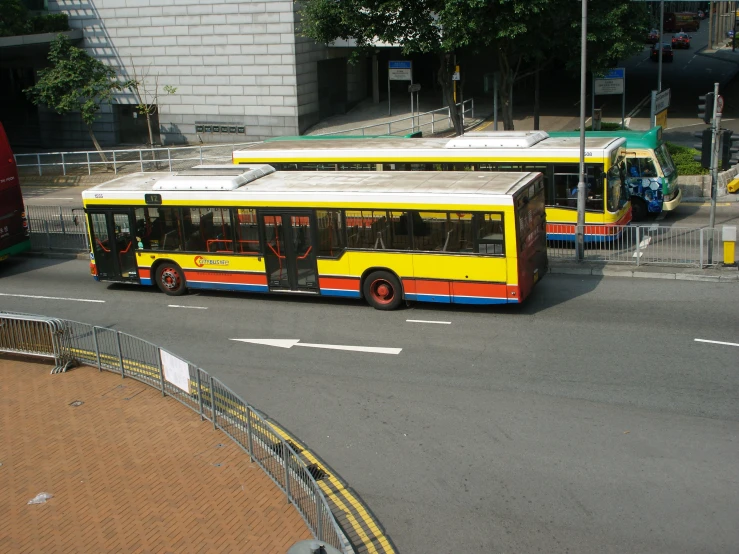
x=449, y=237
x=607, y=206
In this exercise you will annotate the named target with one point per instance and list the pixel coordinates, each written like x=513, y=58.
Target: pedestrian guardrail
x=35, y=336
x=135, y=358
x=57, y=229
x=642, y=245
x=124, y=161
x=435, y=120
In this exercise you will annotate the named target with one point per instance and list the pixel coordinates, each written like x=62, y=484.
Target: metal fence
x=124, y=161
x=131, y=357
x=435, y=120
x=643, y=245
x=35, y=336
x=57, y=228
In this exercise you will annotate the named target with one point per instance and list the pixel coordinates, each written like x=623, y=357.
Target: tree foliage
x=522, y=35
x=75, y=82
x=15, y=20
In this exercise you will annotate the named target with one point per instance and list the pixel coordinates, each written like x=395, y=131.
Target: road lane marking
x=187, y=307
x=53, y=298
x=289, y=343
x=428, y=321
x=717, y=342
x=639, y=106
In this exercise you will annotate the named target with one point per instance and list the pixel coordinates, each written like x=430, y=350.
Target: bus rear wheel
x=171, y=279
x=382, y=290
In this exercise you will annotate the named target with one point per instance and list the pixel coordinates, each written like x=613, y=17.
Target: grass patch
x=682, y=156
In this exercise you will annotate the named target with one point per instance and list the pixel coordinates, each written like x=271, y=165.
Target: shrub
x=50, y=23
x=682, y=156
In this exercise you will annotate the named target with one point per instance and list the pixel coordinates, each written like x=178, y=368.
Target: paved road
x=587, y=420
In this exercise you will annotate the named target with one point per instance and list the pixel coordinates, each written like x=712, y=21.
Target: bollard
x=729, y=237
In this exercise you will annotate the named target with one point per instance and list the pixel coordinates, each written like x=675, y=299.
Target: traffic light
x=729, y=153
x=705, y=107
x=704, y=147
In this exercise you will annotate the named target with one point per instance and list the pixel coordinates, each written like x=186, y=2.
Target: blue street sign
x=399, y=65
x=616, y=73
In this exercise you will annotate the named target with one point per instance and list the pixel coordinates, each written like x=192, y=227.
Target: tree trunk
x=507, y=75
x=148, y=124
x=97, y=146
x=536, y=98
x=446, y=69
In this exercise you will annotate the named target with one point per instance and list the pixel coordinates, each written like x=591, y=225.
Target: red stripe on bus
x=339, y=283
x=423, y=286
x=226, y=277
x=145, y=273
x=482, y=290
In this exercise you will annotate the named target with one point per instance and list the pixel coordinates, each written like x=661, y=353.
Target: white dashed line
x=426, y=321
x=186, y=307
x=717, y=342
x=53, y=298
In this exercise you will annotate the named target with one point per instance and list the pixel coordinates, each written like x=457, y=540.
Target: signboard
x=414, y=88
x=612, y=82
x=720, y=105
x=455, y=76
x=661, y=119
x=662, y=101
x=176, y=371
x=400, y=71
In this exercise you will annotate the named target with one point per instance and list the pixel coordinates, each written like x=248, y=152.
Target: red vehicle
x=13, y=224
x=681, y=40
x=666, y=52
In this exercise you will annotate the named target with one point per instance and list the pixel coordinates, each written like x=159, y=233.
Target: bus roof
x=651, y=139
x=340, y=187
x=464, y=148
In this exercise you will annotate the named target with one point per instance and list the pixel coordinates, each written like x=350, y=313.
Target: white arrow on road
x=289, y=343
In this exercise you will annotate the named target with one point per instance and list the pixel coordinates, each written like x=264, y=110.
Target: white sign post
x=398, y=71
x=613, y=81
x=660, y=103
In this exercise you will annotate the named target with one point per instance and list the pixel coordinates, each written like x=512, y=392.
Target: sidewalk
x=129, y=471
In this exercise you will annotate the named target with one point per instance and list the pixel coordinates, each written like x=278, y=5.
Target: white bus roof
x=470, y=147
x=397, y=187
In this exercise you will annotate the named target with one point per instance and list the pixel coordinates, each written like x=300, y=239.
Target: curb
x=729, y=276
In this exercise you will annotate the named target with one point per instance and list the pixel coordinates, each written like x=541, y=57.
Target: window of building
x=331, y=233
x=247, y=231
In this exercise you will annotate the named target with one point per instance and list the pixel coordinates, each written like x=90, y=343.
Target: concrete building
x=240, y=69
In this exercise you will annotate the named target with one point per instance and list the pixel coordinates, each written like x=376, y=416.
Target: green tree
x=75, y=82
x=523, y=35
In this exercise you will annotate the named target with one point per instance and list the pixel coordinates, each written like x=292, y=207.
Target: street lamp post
x=580, y=232
x=661, y=38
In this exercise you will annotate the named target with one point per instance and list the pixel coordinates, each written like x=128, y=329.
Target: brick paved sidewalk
x=130, y=471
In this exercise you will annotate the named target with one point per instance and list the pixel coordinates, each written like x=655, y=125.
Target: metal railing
x=124, y=161
x=417, y=122
x=642, y=245
x=63, y=229
x=57, y=228
x=35, y=336
x=132, y=357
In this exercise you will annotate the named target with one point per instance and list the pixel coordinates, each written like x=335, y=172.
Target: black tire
x=638, y=209
x=171, y=279
x=382, y=290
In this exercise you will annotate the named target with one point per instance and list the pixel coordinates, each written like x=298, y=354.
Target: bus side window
x=490, y=234
x=247, y=231
x=331, y=233
x=594, y=190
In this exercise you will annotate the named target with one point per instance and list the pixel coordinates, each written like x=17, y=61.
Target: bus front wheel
x=638, y=209
x=382, y=290
x=171, y=279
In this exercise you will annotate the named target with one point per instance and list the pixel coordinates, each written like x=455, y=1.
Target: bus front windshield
x=617, y=195
x=665, y=160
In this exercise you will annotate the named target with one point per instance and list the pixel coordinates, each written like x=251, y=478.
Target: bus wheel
x=638, y=209
x=382, y=290
x=171, y=279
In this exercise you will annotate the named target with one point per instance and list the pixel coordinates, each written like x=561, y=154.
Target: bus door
x=114, y=244
x=289, y=254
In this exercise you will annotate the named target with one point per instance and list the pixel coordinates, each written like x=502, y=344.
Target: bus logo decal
x=202, y=262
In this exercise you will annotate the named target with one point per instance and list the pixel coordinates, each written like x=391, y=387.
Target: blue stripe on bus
x=228, y=286
x=146, y=281
x=482, y=300
x=341, y=293
x=438, y=298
